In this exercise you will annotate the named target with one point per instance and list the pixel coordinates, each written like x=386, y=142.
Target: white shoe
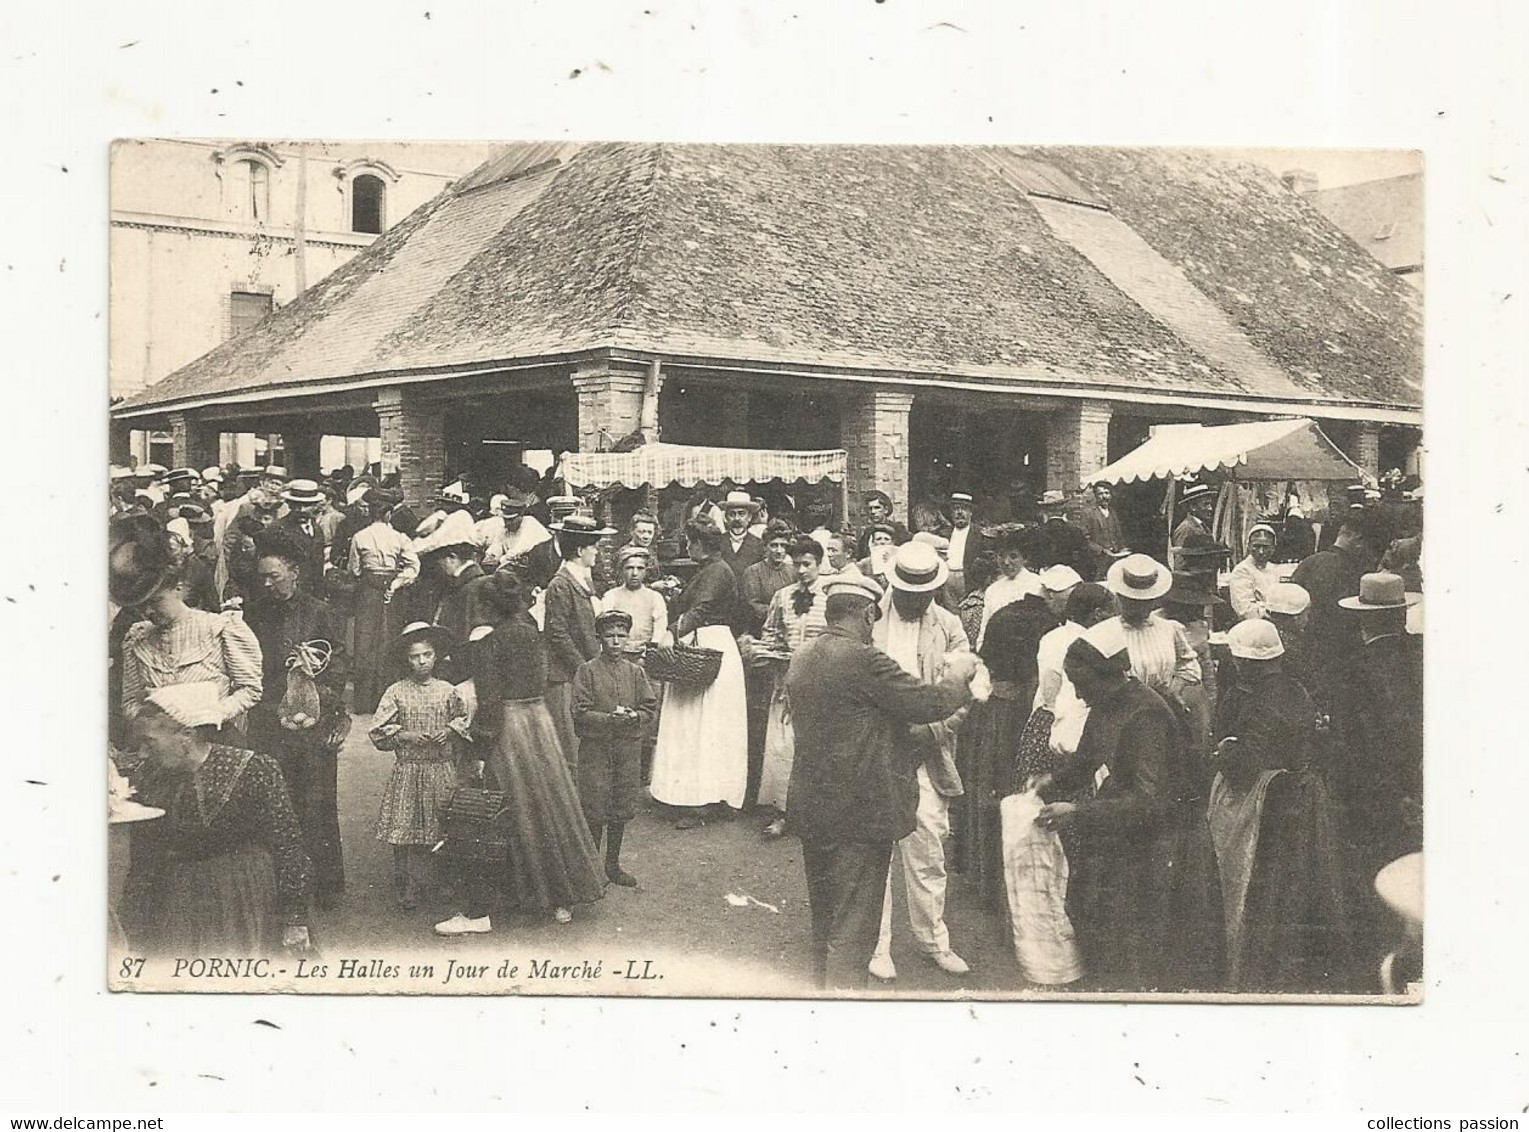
x=462, y=925
x=949, y=962
x=882, y=967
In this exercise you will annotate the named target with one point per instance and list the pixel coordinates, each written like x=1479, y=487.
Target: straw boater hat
x=1381, y=591
x=917, y=568
x=563, y=504
x=961, y=499
x=273, y=472
x=1140, y=577
x=177, y=477
x=740, y=499
x=1255, y=639
x=421, y=631
x=117, y=475
x=580, y=528
x=302, y=493
x=1287, y=597
x=1196, y=491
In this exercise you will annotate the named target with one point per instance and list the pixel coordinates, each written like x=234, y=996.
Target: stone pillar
x=610, y=404
x=194, y=441
x=1364, y=448
x=734, y=431
x=413, y=444
x=1077, y=445
x=873, y=430
x=303, y=447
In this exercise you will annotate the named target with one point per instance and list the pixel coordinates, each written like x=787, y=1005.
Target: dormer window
x=255, y=181
x=368, y=198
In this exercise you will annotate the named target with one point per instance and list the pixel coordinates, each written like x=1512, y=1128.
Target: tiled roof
x=1201, y=279
x=1384, y=217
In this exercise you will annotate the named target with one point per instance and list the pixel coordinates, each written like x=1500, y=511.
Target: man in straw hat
x=1199, y=500
x=854, y=790
x=304, y=500
x=919, y=635
x=1378, y=716
x=966, y=541
x=741, y=549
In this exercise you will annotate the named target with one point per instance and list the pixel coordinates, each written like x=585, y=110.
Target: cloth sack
x=1035, y=873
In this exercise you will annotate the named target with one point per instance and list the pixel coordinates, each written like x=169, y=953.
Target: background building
x=208, y=237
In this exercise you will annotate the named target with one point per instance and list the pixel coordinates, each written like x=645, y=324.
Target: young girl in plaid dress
x=419, y=719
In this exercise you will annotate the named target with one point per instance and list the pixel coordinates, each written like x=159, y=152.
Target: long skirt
x=552, y=861
x=373, y=632
x=702, y=751
x=779, y=751
x=559, y=700
x=224, y=905
x=413, y=800
x=989, y=743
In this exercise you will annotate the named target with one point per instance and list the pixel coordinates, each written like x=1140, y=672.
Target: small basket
x=476, y=826
x=692, y=667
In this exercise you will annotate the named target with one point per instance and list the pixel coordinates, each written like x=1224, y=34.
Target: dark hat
x=1203, y=550
x=877, y=494
x=190, y=511
x=505, y=590
x=421, y=631
x=515, y=501
x=613, y=617
x=138, y=567
x=383, y=497
x=581, y=528
x=1191, y=589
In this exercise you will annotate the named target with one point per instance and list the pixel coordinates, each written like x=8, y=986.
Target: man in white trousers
x=917, y=633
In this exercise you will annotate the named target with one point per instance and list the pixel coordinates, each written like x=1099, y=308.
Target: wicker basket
x=692, y=667
x=476, y=826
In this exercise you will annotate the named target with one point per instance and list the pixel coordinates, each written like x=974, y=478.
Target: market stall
x=1266, y=470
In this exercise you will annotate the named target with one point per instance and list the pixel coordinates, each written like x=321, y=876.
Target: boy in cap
x=614, y=707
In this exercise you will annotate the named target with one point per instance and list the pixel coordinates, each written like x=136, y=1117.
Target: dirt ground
x=678, y=920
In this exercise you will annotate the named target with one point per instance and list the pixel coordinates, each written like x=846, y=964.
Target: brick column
x=610, y=405
x=302, y=446
x=195, y=442
x=873, y=430
x=1077, y=445
x=1364, y=448
x=413, y=444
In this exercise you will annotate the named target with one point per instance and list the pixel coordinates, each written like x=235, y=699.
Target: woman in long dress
x=1143, y=894
x=701, y=760
x=384, y=562
x=223, y=872
x=552, y=863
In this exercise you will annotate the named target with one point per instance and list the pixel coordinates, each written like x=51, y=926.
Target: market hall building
x=1003, y=320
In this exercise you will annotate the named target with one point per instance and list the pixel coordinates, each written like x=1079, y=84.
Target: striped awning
x=661, y=464
x=1258, y=450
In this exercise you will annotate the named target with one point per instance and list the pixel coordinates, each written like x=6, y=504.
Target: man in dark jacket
x=740, y=549
x=1332, y=634
x=1106, y=537
x=1065, y=543
x=301, y=524
x=853, y=786
x=878, y=510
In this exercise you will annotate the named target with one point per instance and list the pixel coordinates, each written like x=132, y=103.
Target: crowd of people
x=1157, y=779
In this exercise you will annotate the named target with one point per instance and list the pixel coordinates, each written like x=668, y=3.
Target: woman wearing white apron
x=701, y=761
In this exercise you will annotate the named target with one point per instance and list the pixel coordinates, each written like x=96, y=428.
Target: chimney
x=1299, y=180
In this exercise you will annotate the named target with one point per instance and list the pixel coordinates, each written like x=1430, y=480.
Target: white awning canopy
x=1260, y=450
x=662, y=464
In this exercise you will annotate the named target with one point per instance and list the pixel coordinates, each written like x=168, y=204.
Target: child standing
x=419, y=719
x=613, y=708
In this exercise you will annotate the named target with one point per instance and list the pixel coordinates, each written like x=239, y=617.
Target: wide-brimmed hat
x=302, y=493
x=1199, y=550
x=857, y=584
x=117, y=475
x=581, y=528
x=455, y=529
x=740, y=499
x=1196, y=491
x=1255, y=639
x=1288, y=598
x=1190, y=588
x=437, y=635
x=940, y=543
x=214, y=474
x=1381, y=591
x=1052, y=500
x=138, y=568
x=917, y=568
x=1059, y=577
x=1139, y=577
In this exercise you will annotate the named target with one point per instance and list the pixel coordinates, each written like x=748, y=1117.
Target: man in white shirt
x=645, y=606
x=918, y=634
